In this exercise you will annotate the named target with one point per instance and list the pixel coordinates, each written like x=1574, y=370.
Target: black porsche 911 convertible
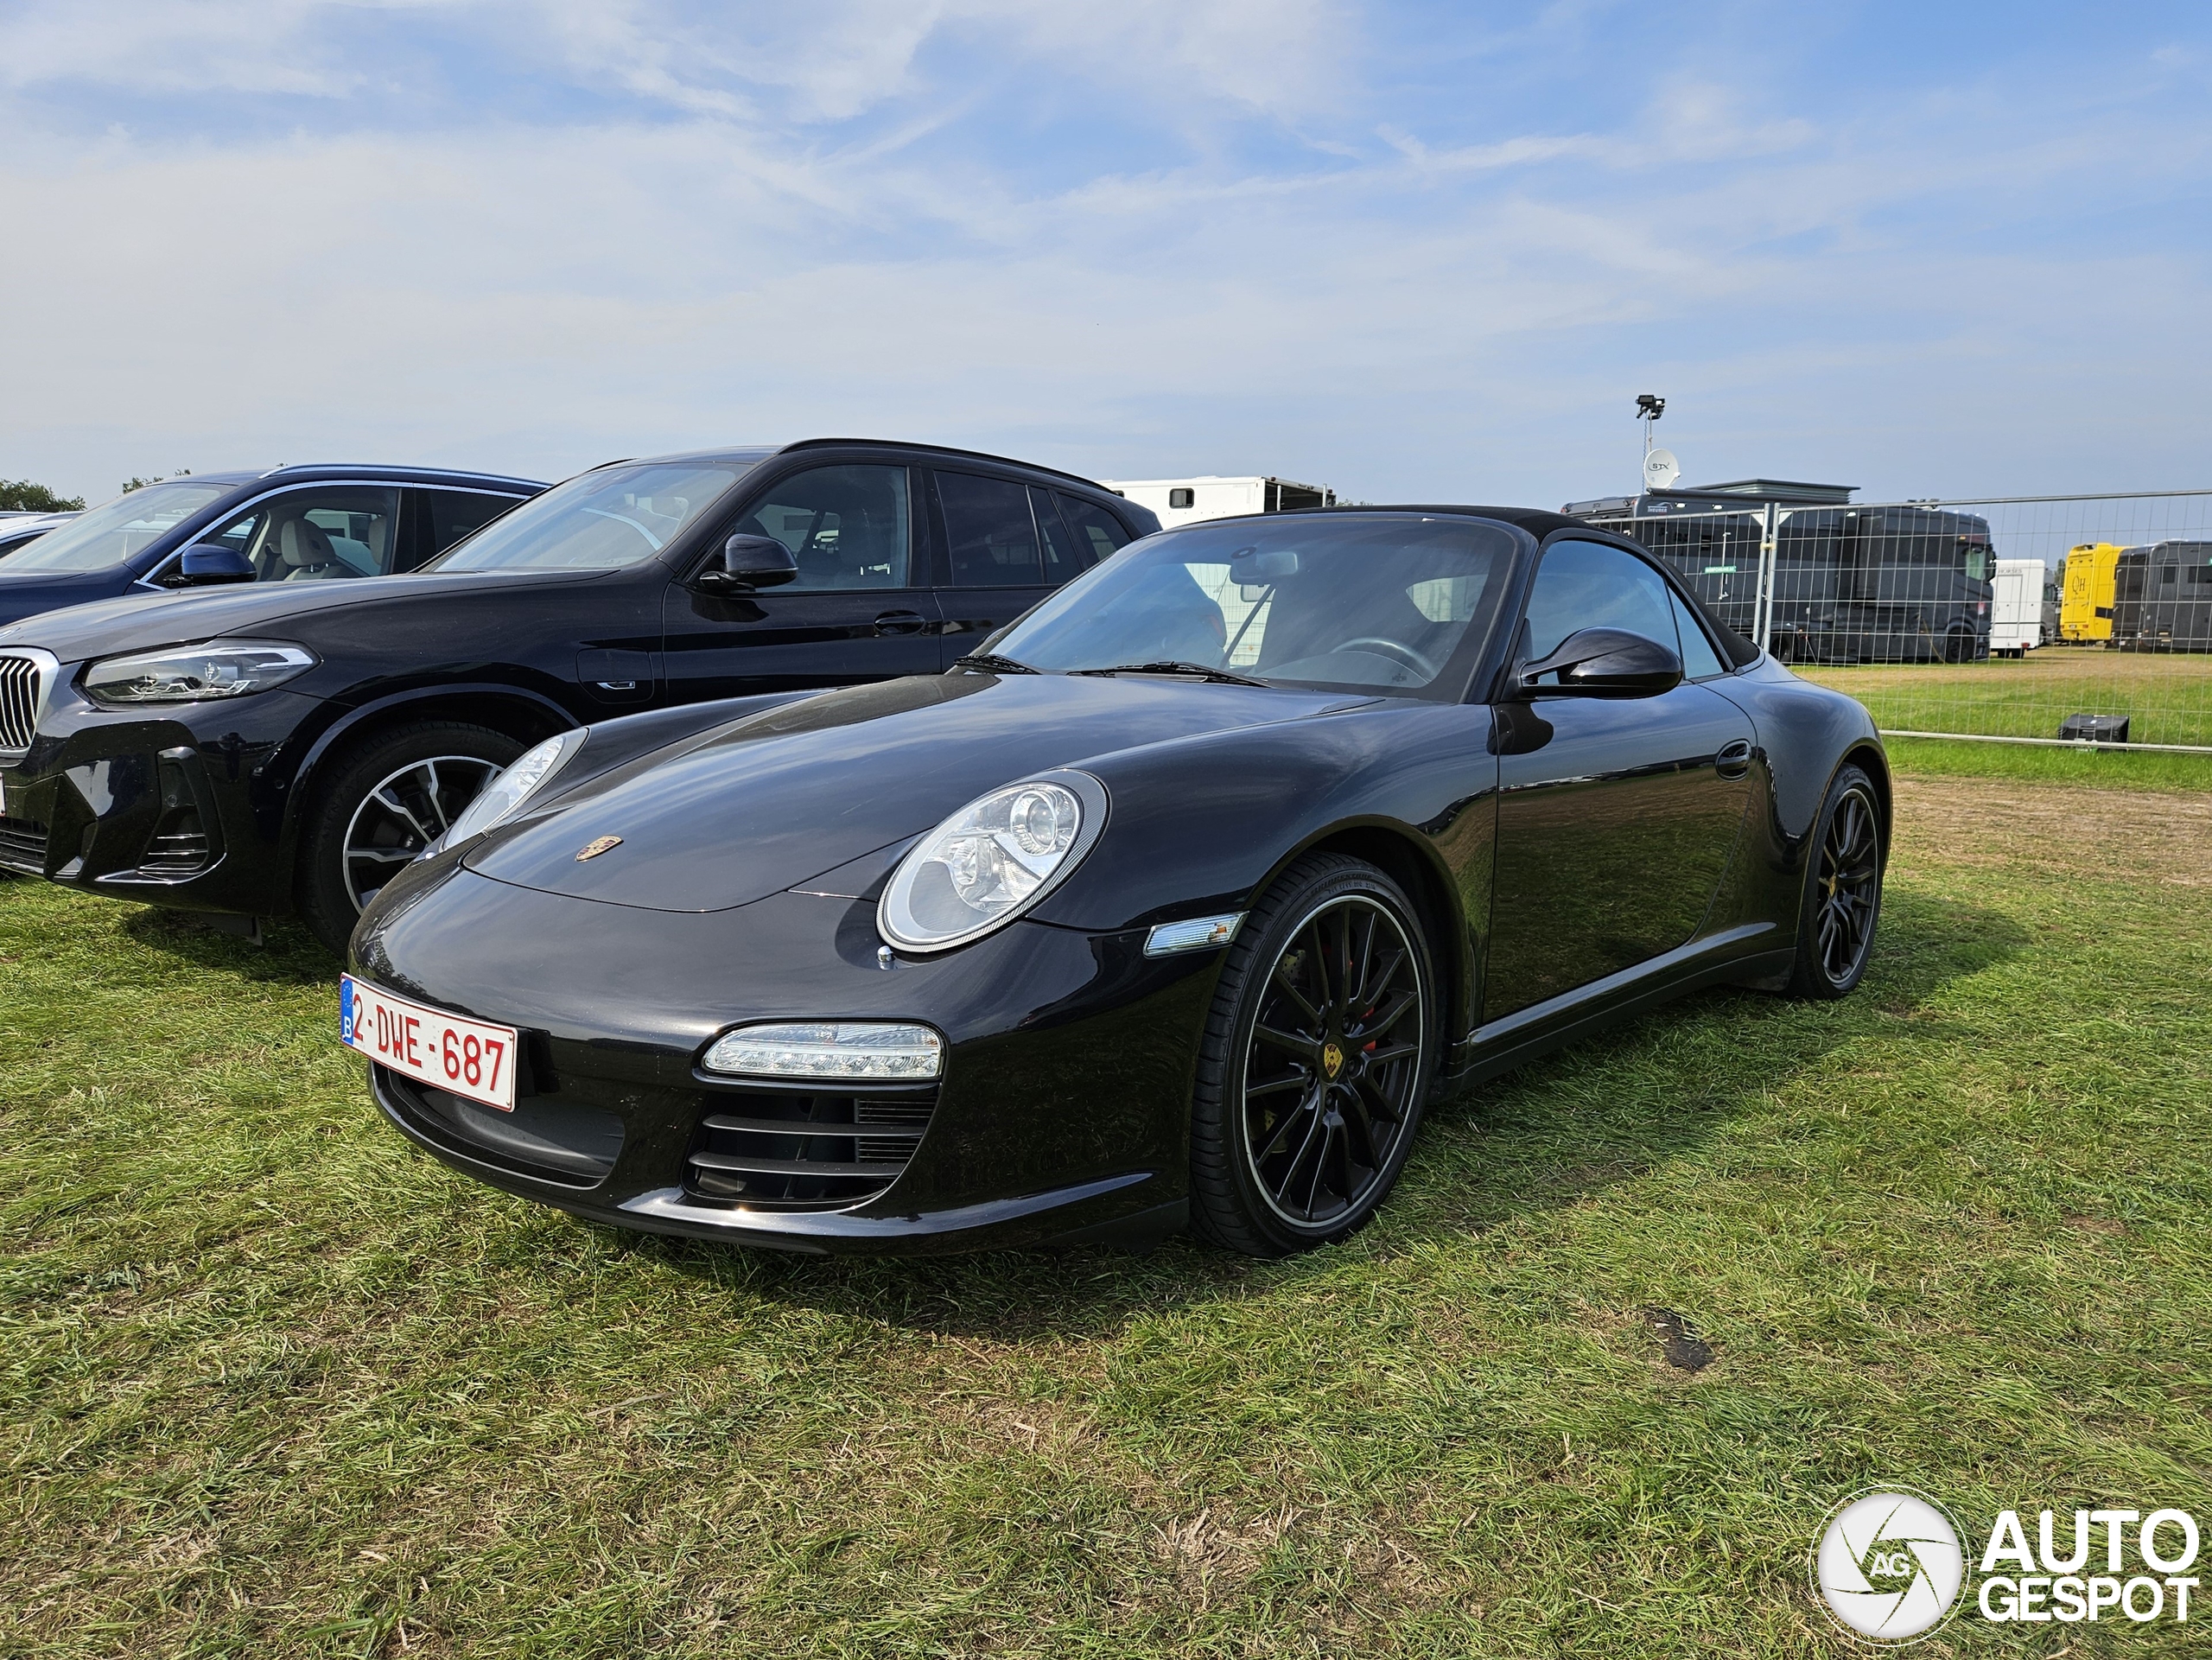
x=1170, y=907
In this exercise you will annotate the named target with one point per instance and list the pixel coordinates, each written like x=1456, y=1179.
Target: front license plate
x=444, y=1051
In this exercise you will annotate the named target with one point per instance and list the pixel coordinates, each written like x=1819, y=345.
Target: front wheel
x=1842, y=900
x=1315, y=1061
x=385, y=801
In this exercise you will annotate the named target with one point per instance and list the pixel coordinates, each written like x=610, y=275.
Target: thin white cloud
x=790, y=229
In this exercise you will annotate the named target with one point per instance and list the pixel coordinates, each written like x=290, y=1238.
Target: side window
x=322, y=533
x=456, y=514
x=1587, y=585
x=1699, y=660
x=847, y=527
x=993, y=540
x=238, y=536
x=1101, y=532
x=1064, y=555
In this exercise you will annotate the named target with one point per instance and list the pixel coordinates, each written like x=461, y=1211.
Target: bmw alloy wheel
x=406, y=813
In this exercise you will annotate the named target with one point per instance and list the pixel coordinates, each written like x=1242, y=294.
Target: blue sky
x=1413, y=252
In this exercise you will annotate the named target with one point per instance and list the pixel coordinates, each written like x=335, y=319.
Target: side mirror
x=205, y=564
x=1603, y=663
x=746, y=562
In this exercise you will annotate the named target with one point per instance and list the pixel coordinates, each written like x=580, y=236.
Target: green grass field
x=2077, y=764
x=2168, y=697
x=276, y=1384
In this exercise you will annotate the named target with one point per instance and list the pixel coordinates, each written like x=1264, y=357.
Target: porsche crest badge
x=598, y=845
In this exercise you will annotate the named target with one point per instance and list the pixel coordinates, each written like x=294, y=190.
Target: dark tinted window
x=845, y=525
x=994, y=541
x=1064, y=555
x=1100, y=530
x=456, y=514
x=1587, y=585
x=1699, y=660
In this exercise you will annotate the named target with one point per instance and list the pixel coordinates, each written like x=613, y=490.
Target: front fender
x=1204, y=824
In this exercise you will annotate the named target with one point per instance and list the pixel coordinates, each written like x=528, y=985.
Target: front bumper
x=182, y=806
x=1061, y=1115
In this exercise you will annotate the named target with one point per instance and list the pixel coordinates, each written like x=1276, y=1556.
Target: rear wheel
x=387, y=800
x=1315, y=1061
x=1842, y=902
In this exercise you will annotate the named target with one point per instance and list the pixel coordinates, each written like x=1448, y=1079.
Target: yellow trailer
x=2085, y=602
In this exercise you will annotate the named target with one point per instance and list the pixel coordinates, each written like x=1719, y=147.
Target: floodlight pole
x=1650, y=406
x=1762, y=611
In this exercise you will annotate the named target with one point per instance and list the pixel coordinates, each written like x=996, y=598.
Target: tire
x=1270, y=1179
x=1842, y=903
x=383, y=802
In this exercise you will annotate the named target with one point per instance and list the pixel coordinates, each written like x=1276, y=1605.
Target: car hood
x=247, y=610
x=30, y=593
x=788, y=794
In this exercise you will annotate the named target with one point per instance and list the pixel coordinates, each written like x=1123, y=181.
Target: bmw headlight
x=505, y=795
x=193, y=674
x=991, y=861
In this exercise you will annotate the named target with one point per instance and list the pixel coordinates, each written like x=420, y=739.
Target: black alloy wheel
x=1843, y=890
x=385, y=801
x=1315, y=1063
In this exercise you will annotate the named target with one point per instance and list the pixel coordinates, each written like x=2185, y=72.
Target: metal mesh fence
x=2055, y=619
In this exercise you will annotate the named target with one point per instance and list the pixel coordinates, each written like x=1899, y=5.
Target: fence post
x=1763, y=611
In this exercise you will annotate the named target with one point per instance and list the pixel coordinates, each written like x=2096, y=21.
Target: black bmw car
x=1173, y=905
x=250, y=751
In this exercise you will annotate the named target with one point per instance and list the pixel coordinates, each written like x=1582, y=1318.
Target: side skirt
x=1731, y=958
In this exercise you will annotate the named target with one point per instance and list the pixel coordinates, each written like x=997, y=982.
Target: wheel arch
x=1871, y=759
x=526, y=716
x=1405, y=856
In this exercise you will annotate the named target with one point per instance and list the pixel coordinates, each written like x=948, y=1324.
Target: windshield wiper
x=1221, y=676
x=993, y=662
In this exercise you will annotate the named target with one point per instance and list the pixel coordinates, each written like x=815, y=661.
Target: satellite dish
x=1660, y=471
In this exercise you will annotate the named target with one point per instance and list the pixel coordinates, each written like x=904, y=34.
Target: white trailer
x=2016, y=607
x=1179, y=501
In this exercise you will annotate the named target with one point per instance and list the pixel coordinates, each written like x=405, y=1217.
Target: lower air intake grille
x=22, y=843
x=18, y=703
x=546, y=1136
x=796, y=1151
x=176, y=853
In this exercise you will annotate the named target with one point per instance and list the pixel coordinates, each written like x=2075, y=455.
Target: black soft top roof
x=1538, y=522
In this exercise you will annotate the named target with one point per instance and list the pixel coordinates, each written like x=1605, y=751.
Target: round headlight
x=991, y=861
x=504, y=794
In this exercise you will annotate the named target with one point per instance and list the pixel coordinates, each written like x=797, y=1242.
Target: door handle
x=902, y=622
x=1734, y=759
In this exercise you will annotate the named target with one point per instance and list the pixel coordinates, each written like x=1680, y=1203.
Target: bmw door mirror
x=206, y=564
x=1603, y=663
x=746, y=562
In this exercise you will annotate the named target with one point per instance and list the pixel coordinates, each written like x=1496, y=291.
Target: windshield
x=111, y=532
x=1378, y=602
x=600, y=520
